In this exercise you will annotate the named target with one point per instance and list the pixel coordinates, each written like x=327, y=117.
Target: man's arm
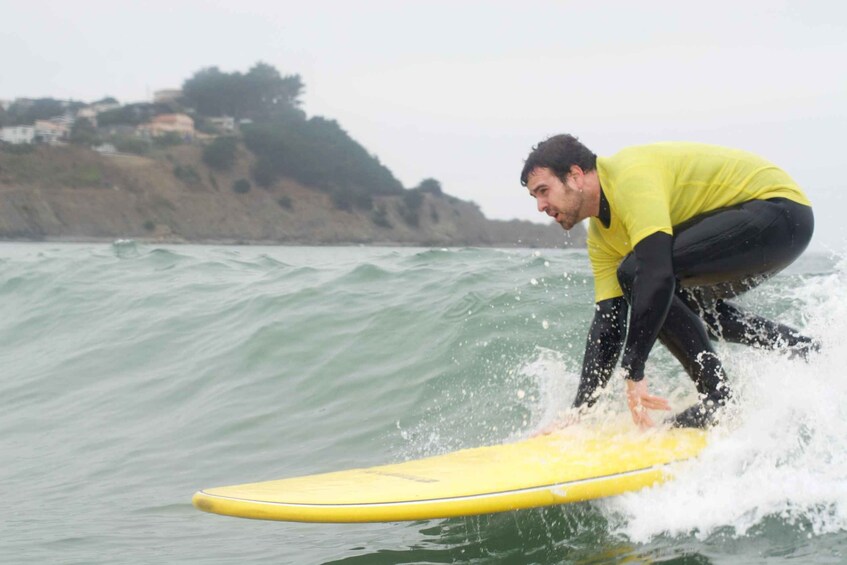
x=605, y=340
x=650, y=297
x=651, y=293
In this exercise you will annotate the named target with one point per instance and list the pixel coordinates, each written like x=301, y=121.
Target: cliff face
x=76, y=194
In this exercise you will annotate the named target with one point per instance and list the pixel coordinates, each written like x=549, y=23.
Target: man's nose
x=542, y=205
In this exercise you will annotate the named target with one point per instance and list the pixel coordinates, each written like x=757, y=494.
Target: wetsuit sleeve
x=605, y=340
x=651, y=295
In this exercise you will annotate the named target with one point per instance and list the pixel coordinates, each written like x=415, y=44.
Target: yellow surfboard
x=568, y=466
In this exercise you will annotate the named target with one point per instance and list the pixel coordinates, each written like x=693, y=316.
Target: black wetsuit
x=676, y=289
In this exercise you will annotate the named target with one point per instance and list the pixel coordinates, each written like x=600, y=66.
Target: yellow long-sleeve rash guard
x=652, y=188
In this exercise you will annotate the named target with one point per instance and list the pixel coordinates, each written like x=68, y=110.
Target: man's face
x=563, y=201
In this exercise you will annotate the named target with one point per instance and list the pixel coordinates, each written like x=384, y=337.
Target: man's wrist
x=634, y=374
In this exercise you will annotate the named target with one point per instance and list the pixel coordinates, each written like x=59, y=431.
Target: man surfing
x=675, y=230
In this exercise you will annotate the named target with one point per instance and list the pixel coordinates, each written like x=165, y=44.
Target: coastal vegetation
x=265, y=105
x=230, y=156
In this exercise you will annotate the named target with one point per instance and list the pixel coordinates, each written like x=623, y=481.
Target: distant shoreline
x=263, y=243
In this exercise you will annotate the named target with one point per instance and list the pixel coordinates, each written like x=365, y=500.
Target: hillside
x=74, y=193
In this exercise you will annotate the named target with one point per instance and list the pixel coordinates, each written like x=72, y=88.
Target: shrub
x=285, y=202
x=17, y=148
x=430, y=186
x=413, y=199
x=84, y=133
x=342, y=200
x=380, y=217
x=263, y=172
x=169, y=139
x=241, y=186
x=187, y=174
x=410, y=210
x=134, y=145
x=411, y=218
x=220, y=154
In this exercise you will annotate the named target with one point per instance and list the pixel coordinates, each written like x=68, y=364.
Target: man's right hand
x=640, y=401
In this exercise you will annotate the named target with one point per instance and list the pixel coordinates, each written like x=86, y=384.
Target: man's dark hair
x=558, y=153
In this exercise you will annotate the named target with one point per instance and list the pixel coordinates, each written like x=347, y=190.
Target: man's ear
x=577, y=173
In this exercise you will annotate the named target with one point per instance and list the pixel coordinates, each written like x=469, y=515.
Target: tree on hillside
x=131, y=114
x=83, y=132
x=267, y=90
x=25, y=111
x=210, y=92
x=431, y=186
x=259, y=94
x=319, y=153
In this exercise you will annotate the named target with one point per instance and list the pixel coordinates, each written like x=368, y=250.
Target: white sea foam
x=782, y=454
x=553, y=384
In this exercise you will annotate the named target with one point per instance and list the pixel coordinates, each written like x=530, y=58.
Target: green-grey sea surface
x=132, y=375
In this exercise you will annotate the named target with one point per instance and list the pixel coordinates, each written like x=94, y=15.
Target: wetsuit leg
x=725, y=320
x=719, y=255
x=726, y=252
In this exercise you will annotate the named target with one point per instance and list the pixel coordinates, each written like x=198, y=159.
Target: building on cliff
x=17, y=135
x=180, y=124
x=48, y=132
x=43, y=131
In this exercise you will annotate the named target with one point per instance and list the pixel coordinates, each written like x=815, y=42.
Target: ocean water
x=132, y=375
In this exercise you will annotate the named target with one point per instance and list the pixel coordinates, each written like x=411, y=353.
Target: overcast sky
x=461, y=90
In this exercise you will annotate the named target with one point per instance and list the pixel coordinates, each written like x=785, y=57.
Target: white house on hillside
x=66, y=120
x=89, y=114
x=91, y=111
x=18, y=134
x=44, y=131
x=50, y=132
x=103, y=106
x=223, y=123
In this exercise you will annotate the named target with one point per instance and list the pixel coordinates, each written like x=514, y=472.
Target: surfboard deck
x=568, y=466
